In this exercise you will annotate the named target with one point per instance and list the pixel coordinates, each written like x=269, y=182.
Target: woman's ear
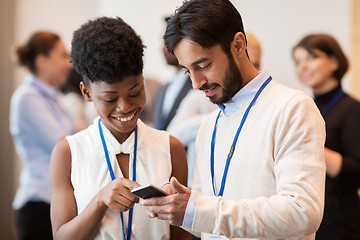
x=85, y=91
x=334, y=63
x=40, y=62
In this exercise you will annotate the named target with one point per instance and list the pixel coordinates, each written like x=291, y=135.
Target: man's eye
x=205, y=67
x=186, y=71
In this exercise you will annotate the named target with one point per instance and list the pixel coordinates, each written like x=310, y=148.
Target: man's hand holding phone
x=172, y=207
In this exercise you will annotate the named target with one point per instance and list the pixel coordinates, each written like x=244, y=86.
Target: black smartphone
x=149, y=191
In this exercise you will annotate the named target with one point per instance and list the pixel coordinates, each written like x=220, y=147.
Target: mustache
x=208, y=86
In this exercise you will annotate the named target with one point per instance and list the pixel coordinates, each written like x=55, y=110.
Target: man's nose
x=198, y=79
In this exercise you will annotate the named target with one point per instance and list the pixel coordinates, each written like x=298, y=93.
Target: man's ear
x=85, y=91
x=239, y=44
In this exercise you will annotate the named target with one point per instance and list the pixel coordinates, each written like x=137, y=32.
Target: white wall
x=278, y=24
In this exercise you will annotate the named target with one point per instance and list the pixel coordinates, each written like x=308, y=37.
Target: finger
x=123, y=204
x=128, y=183
x=151, y=214
x=155, y=201
x=123, y=189
x=177, y=186
x=162, y=216
x=168, y=188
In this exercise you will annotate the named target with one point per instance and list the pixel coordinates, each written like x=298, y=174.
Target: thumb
x=178, y=187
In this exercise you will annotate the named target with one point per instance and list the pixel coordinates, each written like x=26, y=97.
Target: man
x=260, y=169
x=180, y=110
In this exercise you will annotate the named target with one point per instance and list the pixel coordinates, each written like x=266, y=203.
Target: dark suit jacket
x=162, y=122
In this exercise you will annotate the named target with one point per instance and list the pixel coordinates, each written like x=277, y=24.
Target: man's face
x=210, y=70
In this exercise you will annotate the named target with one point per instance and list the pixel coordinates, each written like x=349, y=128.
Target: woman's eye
x=135, y=95
x=109, y=100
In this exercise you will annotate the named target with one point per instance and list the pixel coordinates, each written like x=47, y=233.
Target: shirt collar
x=245, y=94
x=45, y=88
x=114, y=147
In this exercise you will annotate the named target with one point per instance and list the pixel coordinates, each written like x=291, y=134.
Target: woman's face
x=119, y=105
x=55, y=67
x=316, y=69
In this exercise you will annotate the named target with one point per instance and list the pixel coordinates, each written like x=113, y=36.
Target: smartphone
x=149, y=191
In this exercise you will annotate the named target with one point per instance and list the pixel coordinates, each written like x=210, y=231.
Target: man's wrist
x=190, y=211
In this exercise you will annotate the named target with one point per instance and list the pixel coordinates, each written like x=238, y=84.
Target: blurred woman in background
x=37, y=122
x=320, y=65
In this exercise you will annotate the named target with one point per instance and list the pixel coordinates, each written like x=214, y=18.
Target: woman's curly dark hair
x=107, y=49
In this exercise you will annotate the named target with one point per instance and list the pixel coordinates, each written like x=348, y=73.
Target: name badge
x=207, y=236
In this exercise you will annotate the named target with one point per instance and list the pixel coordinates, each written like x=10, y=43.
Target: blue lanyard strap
x=332, y=102
x=232, y=148
x=113, y=177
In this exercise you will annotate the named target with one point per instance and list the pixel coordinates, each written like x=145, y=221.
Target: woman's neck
x=327, y=87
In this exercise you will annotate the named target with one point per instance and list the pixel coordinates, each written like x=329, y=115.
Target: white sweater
x=275, y=182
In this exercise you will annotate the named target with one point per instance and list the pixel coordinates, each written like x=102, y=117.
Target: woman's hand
x=117, y=195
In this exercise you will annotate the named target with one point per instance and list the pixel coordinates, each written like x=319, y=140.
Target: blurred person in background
x=321, y=65
x=37, y=122
x=254, y=50
x=82, y=111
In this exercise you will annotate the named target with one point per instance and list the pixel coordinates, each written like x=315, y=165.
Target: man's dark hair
x=207, y=22
x=107, y=49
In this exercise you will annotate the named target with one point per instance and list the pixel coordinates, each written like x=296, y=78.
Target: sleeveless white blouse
x=89, y=174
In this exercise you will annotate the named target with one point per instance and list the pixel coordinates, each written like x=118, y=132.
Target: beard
x=232, y=83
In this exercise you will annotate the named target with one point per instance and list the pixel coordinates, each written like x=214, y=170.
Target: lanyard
x=113, y=177
x=232, y=148
x=332, y=102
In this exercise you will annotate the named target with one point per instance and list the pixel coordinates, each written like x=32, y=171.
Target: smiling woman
x=93, y=171
x=320, y=65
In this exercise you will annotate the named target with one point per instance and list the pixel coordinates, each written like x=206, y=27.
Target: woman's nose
x=123, y=106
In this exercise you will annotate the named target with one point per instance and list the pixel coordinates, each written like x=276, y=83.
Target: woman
x=93, y=171
x=320, y=65
x=37, y=122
